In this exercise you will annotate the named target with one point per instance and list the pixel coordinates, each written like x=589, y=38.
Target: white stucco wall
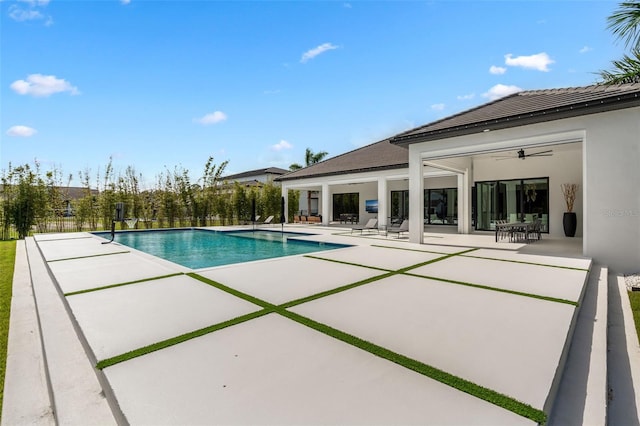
x=608, y=204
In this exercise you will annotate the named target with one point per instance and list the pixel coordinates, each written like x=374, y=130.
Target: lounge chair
x=371, y=225
x=404, y=227
x=267, y=221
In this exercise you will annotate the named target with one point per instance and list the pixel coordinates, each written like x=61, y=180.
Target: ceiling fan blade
x=541, y=154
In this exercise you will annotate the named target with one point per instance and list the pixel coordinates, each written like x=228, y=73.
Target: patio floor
x=383, y=332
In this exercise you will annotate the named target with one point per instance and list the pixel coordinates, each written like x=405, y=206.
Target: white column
x=383, y=211
x=416, y=197
x=325, y=199
x=464, y=202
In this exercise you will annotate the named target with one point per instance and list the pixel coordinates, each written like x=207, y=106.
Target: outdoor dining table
x=526, y=226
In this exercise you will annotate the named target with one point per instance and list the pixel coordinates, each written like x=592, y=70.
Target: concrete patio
x=279, y=341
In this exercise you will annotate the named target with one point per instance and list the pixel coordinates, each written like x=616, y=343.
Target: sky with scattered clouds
x=158, y=84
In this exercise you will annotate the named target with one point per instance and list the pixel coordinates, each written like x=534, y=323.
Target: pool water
x=199, y=248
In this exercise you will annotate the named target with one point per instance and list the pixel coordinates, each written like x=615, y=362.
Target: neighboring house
x=73, y=193
x=476, y=167
x=255, y=177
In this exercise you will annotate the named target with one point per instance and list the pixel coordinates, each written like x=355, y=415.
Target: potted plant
x=569, y=220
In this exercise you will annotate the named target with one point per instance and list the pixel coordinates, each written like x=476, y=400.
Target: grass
x=634, y=298
x=7, y=262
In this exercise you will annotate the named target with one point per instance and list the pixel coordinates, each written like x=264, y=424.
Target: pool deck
x=383, y=332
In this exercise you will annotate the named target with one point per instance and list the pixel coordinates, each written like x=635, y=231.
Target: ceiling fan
x=521, y=155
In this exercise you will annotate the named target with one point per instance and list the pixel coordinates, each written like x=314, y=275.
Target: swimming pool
x=200, y=248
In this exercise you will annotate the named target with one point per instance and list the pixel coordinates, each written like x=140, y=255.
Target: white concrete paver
x=379, y=257
x=288, y=373
x=25, y=398
x=120, y=319
x=61, y=236
x=78, y=395
x=534, y=279
x=494, y=339
x=77, y=247
x=566, y=262
x=98, y=271
x=274, y=371
x=282, y=280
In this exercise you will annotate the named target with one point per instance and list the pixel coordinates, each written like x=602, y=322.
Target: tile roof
x=377, y=156
x=257, y=172
x=527, y=107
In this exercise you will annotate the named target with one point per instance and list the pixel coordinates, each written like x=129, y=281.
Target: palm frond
x=625, y=70
x=625, y=23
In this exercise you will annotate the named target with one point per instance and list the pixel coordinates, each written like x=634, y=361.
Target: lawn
x=634, y=298
x=7, y=259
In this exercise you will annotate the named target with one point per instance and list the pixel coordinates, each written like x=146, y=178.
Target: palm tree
x=625, y=25
x=310, y=158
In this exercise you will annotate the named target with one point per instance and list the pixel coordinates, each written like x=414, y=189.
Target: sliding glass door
x=515, y=200
x=441, y=206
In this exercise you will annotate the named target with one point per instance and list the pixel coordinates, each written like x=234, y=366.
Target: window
x=346, y=204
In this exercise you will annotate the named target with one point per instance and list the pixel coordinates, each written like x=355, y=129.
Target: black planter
x=569, y=223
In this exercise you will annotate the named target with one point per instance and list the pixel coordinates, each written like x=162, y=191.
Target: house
x=504, y=160
x=255, y=177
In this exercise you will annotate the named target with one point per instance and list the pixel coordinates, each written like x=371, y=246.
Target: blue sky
x=159, y=84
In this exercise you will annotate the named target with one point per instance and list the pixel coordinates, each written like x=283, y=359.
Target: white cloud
x=500, y=91
x=586, y=49
x=211, y=118
x=39, y=85
x=312, y=53
x=20, y=15
x=34, y=3
x=466, y=97
x=538, y=61
x=281, y=146
x=30, y=11
x=125, y=1
x=497, y=70
x=437, y=107
x=21, y=131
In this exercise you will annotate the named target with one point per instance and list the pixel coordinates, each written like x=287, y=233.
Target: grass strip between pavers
x=427, y=262
x=448, y=379
x=408, y=249
x=335, y=290
x=455, y=382
x=526, y=263
x=88, y=257
x=178, y=339
x=498, y=289
x=232, y=291
x=348, y=263
x=90, y=290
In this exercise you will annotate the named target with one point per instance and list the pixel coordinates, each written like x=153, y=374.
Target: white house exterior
x=587, y=135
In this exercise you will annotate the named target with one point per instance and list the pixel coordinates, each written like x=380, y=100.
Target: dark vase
x=570, y=223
